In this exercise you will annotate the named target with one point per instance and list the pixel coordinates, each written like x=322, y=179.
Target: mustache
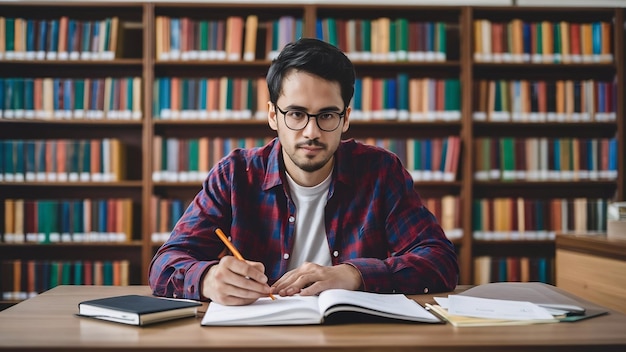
x=311, y=143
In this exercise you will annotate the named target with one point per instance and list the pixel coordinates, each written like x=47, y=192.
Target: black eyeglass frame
x=341, y=114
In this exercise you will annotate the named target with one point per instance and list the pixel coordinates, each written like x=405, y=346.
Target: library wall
x=509, y=119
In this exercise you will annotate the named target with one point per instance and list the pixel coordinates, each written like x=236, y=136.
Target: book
x=330, y=307
x=137, y=310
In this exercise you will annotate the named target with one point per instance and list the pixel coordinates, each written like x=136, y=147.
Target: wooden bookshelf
x=136, y=57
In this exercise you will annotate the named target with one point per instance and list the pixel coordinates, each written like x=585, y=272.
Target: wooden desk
x=592, y=267
x=47, y=322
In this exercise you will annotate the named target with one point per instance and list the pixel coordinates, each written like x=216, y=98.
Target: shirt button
x=286, y=256
x=335, y=254
x=425, y=289
x=292, y=219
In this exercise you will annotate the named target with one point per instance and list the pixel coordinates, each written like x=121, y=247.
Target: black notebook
x=137, y=310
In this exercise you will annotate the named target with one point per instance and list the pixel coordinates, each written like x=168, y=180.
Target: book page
x=294, y=310
x=396, y=306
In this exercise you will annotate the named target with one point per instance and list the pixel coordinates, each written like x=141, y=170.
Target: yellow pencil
x=232, y=248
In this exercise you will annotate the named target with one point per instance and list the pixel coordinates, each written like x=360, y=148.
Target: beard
x=307, y=164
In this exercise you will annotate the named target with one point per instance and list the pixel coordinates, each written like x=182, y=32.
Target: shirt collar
x=343, y=170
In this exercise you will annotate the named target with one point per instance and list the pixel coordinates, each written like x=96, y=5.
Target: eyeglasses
x=297, y=120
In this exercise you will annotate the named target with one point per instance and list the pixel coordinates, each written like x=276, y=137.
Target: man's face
x=308, y=153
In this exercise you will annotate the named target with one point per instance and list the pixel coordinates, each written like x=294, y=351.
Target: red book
x=88, y=272
x=575, y=38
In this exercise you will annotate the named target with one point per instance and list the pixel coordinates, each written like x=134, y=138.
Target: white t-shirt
x=311, y=244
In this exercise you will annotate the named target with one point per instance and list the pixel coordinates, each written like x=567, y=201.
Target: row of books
x=545, y=159
x=427, y=159
x=22, y=279
x=386, y=39
x=510, y=218
x=542, y=101
x=71, y=98
x=542, y=41
x=62, y=160
x=233, y=38
x=79, y=220
x=183, y=160
x=178, y=98
x=406, y=99
x=246, y=98
x=62, y=38
x=167, y=211
x=513, y=269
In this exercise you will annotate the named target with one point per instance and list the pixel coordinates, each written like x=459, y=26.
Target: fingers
x=311, y=279
x=235, y=282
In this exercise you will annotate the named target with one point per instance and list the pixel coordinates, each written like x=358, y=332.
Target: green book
x=393, y=48
x=55, y=268
x=507, y=158
x=107, y=273
x=66, y=273
x=440, y=45
x=194, y=158
x=203, y=31
x=366, y=36
x=452, y=99
x=402, y=94
x=9, y=33
x=402, y=38
x=78, y=273
x=557, y=45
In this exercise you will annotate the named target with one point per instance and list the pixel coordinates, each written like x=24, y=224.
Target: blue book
x=177, y=209
x=72, y=38
x=402, y=92
x=57, y=89
x=542, y=268
x=65, y=227
x=427, y=154
x=319, y=29
x=30, y=161
x=9, y=159
x=42, y=39
x=86, y=157
x=357, y=99
x=29, y=97
x=86, y=42
x=53, y=37
x=19, y=160
x=202, y=91
x=8, y=97
x=95, y=38
x=299, y=30
x=596, y=38
x=601, y=97
x=78, y=226
x=175, y=35
x=102, y=216
x=2, y=157
x=2, y=106
x=68, y=94
x=612, y=167
x=527, y=39
x=391, y=96
x=556, y=166
x=30, y=38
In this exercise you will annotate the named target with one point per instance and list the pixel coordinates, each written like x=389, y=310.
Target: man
x=308, y=212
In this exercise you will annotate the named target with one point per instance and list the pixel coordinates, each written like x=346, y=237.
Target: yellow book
x=566, y=56
x=252, y=24
x=2, y=37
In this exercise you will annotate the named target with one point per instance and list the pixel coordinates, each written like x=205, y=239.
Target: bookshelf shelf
x=137, y=55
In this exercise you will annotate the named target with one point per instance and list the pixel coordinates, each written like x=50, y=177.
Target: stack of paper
x=472, y=311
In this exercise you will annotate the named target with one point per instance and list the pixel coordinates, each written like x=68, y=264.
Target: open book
x=331, y=307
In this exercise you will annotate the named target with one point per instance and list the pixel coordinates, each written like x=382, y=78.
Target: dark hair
x=315, y=57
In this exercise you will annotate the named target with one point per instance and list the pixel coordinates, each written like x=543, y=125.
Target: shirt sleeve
x=421, y=258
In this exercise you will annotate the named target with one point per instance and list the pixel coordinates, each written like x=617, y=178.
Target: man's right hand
x=235, y=282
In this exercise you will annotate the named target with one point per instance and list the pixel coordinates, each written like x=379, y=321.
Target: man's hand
x=311, y=279
x=235, y=282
